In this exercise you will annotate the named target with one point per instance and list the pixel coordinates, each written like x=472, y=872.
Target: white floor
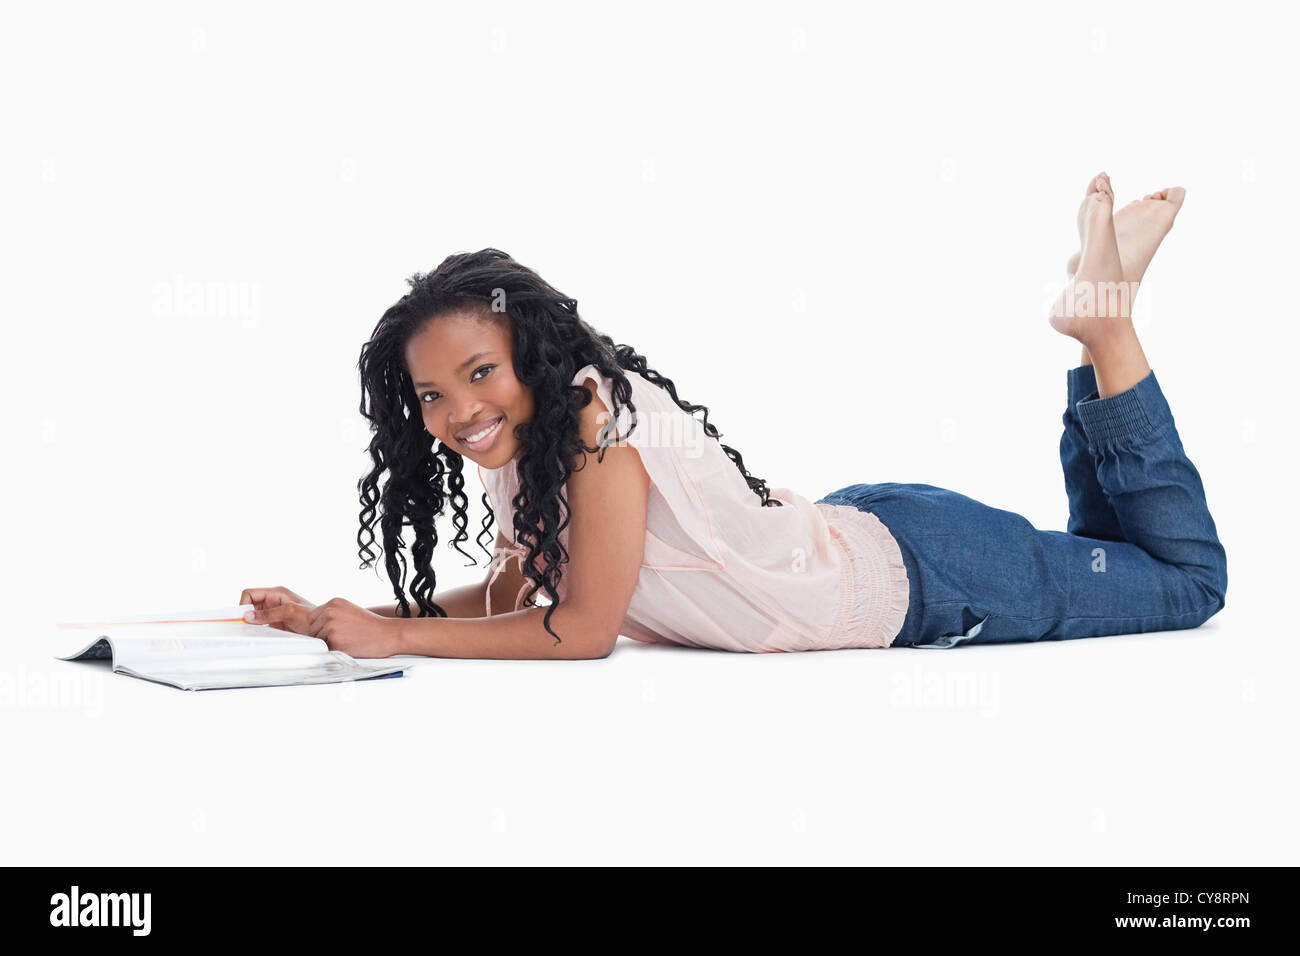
x=1173, y=748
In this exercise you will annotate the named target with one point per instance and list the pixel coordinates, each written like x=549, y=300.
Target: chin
x=498, y=456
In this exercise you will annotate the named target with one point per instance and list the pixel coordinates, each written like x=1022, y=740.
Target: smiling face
x=463, y=370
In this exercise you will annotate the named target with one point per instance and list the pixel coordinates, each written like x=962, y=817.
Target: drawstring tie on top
x=500, y=558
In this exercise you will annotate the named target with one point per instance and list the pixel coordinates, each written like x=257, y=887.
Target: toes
x=1103, y=184
x=1099, y=190
x=1173, y=194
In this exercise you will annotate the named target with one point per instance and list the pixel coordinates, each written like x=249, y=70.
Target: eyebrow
x=461, y=367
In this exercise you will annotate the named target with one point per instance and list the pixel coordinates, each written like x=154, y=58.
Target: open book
x=208, y=650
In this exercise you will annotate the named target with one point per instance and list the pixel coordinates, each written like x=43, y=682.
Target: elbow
x=603, y=634
x=583, y=637
x=598, y=646
x=593, y=637
x=584, y=651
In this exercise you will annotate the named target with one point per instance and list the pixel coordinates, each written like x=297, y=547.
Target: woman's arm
x=514, y=636
x=607, y=501
x=464, y=601
x=469, y=600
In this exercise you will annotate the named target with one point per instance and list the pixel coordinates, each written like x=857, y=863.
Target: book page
x=213, y=648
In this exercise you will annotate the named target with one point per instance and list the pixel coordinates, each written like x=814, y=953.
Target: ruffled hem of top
x=874, y=592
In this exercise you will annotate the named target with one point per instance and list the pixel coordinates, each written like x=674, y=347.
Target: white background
x=836, y=225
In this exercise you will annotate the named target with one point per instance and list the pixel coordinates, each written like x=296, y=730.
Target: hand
x=263, y=599
x=342, y=625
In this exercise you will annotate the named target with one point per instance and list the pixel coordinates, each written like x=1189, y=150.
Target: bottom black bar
x=702, y=905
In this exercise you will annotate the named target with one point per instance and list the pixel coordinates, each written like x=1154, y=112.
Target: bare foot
x=1139, y=227
x=1098, y=296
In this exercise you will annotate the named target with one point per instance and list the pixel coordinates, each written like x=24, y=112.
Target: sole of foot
x=1098, y=295
x=1139, y=228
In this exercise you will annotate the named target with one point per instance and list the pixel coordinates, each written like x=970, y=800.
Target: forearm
x=516, y=636
x=466, y=601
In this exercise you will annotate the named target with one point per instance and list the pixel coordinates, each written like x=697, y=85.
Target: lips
x=479, y=429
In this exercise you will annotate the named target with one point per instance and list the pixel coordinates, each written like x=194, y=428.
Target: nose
x=464, y=420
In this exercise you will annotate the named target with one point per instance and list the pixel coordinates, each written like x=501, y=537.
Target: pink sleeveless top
x=720, y=570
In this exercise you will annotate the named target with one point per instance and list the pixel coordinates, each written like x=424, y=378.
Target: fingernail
x=250, y=616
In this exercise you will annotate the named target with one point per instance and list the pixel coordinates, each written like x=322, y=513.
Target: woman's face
x=462, y=368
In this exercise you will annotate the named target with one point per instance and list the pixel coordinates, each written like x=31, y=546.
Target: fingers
x=315, y=618
x=280, y=608
x=265, y=597
x=286, y=616
x=256, y=596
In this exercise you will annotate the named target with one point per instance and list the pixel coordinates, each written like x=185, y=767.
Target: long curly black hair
x=551, y=342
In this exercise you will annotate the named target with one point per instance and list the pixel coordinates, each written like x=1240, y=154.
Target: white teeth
x=484, y=433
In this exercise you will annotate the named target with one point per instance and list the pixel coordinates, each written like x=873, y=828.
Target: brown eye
x=425, y=396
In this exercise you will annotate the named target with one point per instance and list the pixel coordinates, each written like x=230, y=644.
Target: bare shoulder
x=622, y=478
x=592, y=419
x=607, y=501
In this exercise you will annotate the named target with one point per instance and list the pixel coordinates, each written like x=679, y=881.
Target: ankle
x=1106, y=335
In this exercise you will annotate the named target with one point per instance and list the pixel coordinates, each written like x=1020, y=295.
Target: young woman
x=632, y=518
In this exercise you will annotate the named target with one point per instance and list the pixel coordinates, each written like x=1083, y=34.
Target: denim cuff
x=1080, y=384
x=1134, y=414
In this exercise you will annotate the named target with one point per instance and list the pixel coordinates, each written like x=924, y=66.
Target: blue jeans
x=1140, y=552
